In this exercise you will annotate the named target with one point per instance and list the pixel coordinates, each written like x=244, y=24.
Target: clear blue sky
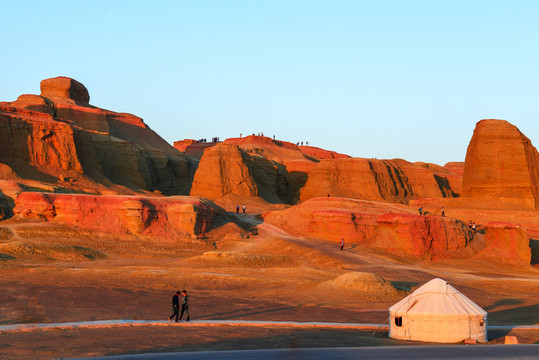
x=384, y=79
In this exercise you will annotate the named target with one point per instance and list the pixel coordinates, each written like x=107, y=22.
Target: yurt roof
x=437, y=297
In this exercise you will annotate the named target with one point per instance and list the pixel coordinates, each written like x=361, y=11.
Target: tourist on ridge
x=185, y=305
x=342, y=243
x=175, y=306
x=238, y=209
x=244, y=208
x=470, y=224
x=443, y=212
x=473, y=227
x=421, y=211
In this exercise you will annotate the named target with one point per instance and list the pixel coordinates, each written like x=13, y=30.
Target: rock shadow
x=502, y=302
x=534, y=246
x=521, y=315
x=245, y=312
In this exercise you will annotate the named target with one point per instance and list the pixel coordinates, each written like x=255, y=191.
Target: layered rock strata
x=60, y=133
x=381, y=226
x=226, y=170
x=371, y=179
x=162, y=218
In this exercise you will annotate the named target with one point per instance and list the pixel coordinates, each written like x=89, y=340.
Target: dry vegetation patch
x=46, y=251
x=296, y=252
x=115, y=245
x=229, y=258
x=5, y=234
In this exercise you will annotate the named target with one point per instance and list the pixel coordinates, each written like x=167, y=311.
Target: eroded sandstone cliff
x=164, y=219
x=371, y=179
x=59, y=134
x=391, y=229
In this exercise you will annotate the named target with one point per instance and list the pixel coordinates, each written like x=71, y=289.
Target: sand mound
x=361, y=282
x=237, y=259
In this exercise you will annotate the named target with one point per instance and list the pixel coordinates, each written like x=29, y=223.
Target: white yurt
x=437, y=312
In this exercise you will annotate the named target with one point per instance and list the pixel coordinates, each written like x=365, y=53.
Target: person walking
x=443, y=212
x=175, y=306
x=421, y=211
x=185, y=305
x=342, y=243
x=244, y=208
x=238, y=209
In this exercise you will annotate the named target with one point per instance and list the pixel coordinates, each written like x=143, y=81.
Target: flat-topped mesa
x=501, y=163
x=62, y=87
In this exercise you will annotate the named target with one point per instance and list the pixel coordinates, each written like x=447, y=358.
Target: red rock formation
x=319, y=153
x=418, y=236
x=455, y=167
x=280, y=169
x=223, y=171
x=192, y=147
x=282, y=152
x=499, y=185
x=450, y=182
x=64, y=88
x=386, y=227
x=290, y=163
x=263, y=141
x=371, y=179
x=182, y=145
x=482, y=211
x=501, y=163
x=162, y=218
x=60, y=134
x=271, y=172
x=508, y=243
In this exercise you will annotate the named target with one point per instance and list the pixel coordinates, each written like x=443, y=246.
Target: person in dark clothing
x=238, y=209
x=185, y=305
x=175, y=306
x=421, y=211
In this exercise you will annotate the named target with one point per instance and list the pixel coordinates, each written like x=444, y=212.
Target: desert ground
x=62, y=274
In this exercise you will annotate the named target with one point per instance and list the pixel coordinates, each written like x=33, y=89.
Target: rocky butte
x=502, y=164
